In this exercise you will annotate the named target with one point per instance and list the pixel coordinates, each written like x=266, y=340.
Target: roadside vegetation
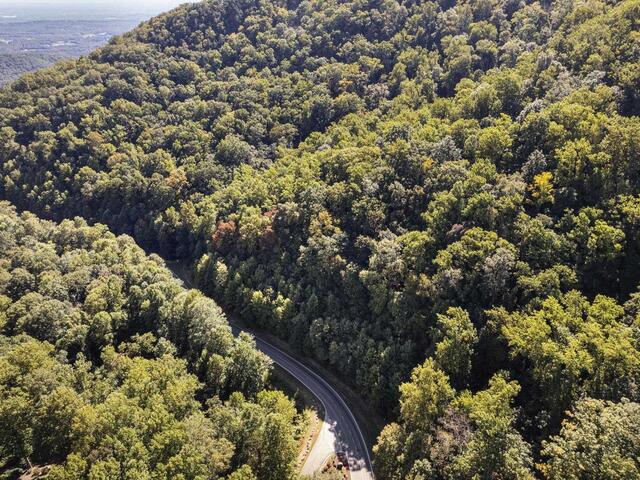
x=110, y=369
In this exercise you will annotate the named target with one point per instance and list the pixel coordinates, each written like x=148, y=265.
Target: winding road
x=340, y=431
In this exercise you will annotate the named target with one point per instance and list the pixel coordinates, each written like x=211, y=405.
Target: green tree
x=456, y=337
x=599, y=439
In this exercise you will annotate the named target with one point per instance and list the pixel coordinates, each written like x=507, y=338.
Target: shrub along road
x=340, y=431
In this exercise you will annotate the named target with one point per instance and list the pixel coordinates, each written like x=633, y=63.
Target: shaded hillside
x=110, y=369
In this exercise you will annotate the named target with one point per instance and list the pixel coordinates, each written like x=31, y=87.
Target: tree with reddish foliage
x=224, y=237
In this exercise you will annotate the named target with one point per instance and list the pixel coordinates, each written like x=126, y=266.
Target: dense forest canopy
x=110, y=369
x=438, y=199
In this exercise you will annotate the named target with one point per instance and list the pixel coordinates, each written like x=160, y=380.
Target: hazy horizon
x=21, y=10
x=37, y=33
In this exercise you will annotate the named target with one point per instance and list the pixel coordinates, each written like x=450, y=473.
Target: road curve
x=340, y=431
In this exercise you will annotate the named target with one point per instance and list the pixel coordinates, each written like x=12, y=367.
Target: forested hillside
x=440, y=200
x=110, y=369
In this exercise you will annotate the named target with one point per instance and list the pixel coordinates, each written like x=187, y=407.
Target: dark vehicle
x=343, y=461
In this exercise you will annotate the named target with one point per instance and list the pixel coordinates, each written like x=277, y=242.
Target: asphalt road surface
x=340, y=431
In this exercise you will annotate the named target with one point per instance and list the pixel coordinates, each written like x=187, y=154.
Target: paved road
x=340, y=431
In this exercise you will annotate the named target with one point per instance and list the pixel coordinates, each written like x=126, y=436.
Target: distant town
x=36, y=34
